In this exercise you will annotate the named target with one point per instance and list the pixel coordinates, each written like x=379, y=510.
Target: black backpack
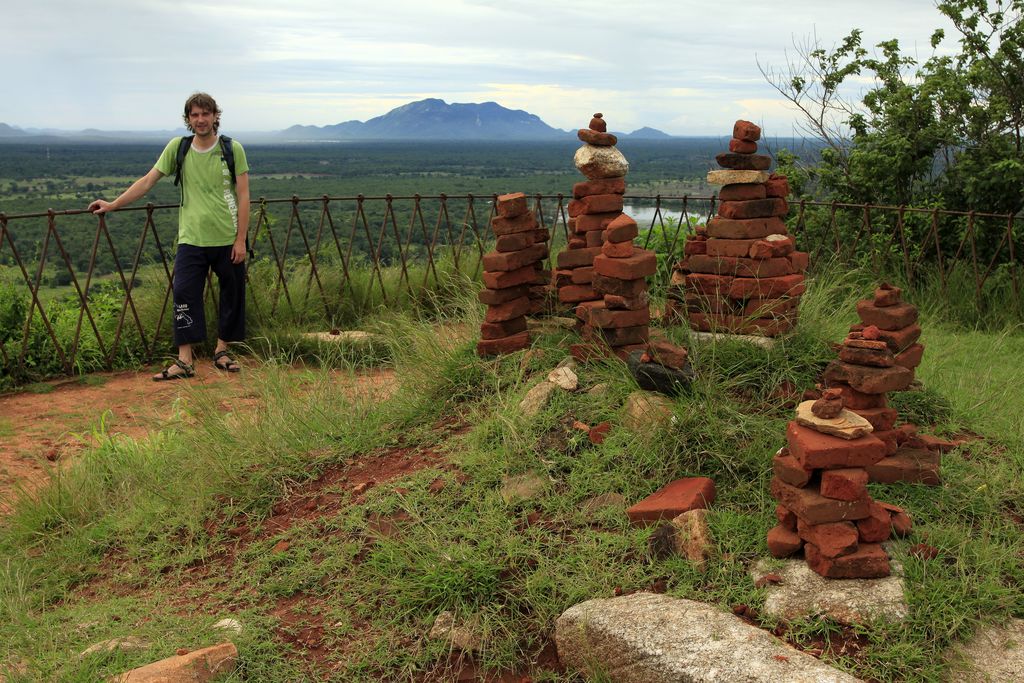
x=226, y=151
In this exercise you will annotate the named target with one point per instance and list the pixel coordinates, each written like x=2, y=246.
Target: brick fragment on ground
x=672, y=500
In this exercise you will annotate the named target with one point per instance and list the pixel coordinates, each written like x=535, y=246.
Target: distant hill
x=648, y=133
x=434, y=119
x=11, y=132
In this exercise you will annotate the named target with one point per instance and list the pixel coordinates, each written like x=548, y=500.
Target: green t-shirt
x=209, y=209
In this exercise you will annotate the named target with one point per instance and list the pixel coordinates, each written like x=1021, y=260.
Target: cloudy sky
x=686, y=67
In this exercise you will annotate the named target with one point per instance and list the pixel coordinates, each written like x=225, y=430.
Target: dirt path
x=44, y=429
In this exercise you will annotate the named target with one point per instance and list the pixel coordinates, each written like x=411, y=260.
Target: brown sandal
x=186, y=372
x=229, y=364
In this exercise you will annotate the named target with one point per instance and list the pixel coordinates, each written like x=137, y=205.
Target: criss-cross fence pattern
x=325, y=261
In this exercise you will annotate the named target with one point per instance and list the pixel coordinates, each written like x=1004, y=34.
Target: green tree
x=944, y=132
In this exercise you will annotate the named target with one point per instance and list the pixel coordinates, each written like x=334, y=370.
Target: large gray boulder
x=648, y=638
x=995, y=655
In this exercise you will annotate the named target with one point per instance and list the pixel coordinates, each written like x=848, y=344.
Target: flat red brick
x=777, y=186
x=574, y=258
x=850, y=483
x=813, y=508
x=571, y=294
x=755, y=208
x=500, y=296
x=514, y=260
x=764, y=308
x=502, y=329
x=619, y=336
x=870, y=561
x=511, y=278
x=788, y=469
x=725, y=247
x=582, y=276
x=869, y=380
x=894, y=317
x=517, y=241
x=909, y=465
x=507, y=226
x=753, y=228
x=621, y=229
x=595, y=221
x=634, y=303
x=508, y=310
x=511, y=205
x=742, y=146
x=617, y=249
x=832, y=539
x=899, y=340
x=595, y=203
x=910, y=357
x=876, y=528
x=618, y=287
x=743, y=162
x=766, y=248
x=641, y=264
x=814, y=450
x=594, y=238
x=598, y=315
x=881, y=419
x=783, y=542
x=856, y=400
x=766, y=287
x=732, y=324
x=709, y=284
x=672, y=500
x=800, y=260
x=494, y=347
x=787, y=518
x=860, y=356
x=668, y=354
x=602, y=186
x=742, y=192
x=738, y=266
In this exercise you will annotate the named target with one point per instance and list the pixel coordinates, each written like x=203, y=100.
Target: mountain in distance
x=648, y=133
x=431, y=119
x=435, y=119
x=10, y=131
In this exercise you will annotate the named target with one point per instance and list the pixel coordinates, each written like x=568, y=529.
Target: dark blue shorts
x=192, y=266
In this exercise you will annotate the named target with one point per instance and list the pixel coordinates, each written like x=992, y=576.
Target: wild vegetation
x=279, y=535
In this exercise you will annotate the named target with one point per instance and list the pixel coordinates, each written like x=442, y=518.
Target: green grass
x=131, y=541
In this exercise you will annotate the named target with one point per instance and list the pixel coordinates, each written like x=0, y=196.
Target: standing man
x=212, y=226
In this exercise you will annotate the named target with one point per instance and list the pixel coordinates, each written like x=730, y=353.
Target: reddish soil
x=43, y=430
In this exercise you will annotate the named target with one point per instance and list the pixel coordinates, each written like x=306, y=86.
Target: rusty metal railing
x=80, y=292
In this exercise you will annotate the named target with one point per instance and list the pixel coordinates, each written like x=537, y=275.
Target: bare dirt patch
x=43, y=429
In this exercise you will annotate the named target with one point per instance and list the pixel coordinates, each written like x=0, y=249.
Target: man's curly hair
x=203, y=101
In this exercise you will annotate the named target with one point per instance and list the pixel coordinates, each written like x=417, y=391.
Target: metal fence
x=326, y=260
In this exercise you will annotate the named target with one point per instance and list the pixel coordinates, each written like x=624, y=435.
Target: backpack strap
x=179, y=158
x=228, y=153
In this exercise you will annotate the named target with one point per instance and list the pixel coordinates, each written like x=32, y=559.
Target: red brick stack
x=510, y=277
x=601, y=270
x=877, y=357
x=742, y=273
x=594, y=205
x=824, y=506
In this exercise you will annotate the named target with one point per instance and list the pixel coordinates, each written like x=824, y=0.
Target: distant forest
x=35, y=178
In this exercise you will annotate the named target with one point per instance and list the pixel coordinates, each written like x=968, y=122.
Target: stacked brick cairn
x=601, y=271
x=742, y=273
x=594, y=205
x=820, y=484
x=511, y=275
x=877, y=357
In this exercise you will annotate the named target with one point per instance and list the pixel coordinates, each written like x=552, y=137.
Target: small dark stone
x=597, y=123
x=656, y=377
